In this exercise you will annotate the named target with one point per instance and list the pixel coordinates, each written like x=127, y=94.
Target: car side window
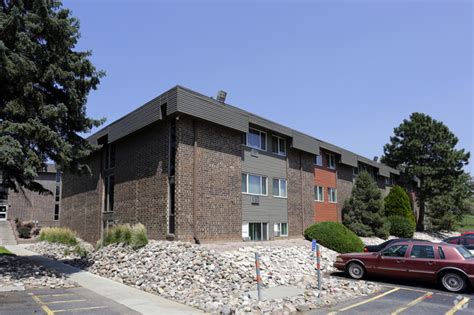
x=422, y=251
x=468, y=240
x=395, y=251
x=441, y=252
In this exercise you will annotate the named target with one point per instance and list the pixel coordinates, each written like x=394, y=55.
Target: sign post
x=259, y=279
x=318, y=266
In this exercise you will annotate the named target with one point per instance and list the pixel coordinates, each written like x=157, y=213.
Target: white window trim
x=333, y=157
x=279, y=188
x=335, y=195
x=260, y=138
x=278, y=146
x=353, y=171
x=315, y=160
x=252, y=194
x=322, y=196
x=279, y=229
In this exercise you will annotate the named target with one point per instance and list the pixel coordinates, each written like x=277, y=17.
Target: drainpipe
x=195, y=151
x=301, y=190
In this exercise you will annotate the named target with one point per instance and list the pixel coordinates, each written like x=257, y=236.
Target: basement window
x=280, y=229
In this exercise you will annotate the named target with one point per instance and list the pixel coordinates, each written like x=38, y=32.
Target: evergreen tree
x=426, y=149
x=44, y=83
x=363, y=212
x=397, y=202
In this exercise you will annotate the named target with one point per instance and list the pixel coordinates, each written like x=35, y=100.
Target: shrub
x=334, y=236
x=58, y=235
x=363, y=211
x=135, y=235
x=80, y=251
x=397, y=202
x=24, y=231
x=401, y=226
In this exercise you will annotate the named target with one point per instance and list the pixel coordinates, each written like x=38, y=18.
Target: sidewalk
x=6, y=234
x=135, y=299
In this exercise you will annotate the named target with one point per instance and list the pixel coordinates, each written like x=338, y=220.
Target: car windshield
x=465, y=252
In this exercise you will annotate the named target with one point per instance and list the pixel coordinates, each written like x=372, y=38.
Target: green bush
x=397, y=202
x=334, y=236
x=401, y=226
x=135, y=235
x=58, y=235
x=24, y=232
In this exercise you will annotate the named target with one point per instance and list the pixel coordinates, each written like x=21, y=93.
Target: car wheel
x=453, y=282
x=356, y=270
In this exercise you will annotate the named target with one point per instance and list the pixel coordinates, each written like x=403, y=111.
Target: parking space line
x=365, y=301
x=43, y=306
x=55, y=295
x=64, y=301
x=412, y=303
x=458, y=306
x=78, y=309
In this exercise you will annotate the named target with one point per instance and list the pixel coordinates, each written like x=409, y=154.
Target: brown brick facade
x=326, y=178
x=27, y=205
x=215, y=162
x=300, y=192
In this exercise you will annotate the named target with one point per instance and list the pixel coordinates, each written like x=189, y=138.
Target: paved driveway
x=407, y=301
x=78, y=301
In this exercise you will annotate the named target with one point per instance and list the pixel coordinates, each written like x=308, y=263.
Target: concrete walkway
x=6, y=234
x=135, y=299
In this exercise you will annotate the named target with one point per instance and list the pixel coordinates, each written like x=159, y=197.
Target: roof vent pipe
x=221, y=95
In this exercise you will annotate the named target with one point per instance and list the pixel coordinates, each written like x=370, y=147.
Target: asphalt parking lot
x=77, y=301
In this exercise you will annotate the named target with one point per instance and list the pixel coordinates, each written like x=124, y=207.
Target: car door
x=422, y=262
x=391, y=261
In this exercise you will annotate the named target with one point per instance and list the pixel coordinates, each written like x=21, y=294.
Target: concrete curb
x=135, y=299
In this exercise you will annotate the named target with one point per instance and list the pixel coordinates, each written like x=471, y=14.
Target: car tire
x=355, y=270
x=453, y=282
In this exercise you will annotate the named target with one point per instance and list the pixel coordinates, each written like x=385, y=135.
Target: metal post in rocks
x=259, y=279
x=318, y=266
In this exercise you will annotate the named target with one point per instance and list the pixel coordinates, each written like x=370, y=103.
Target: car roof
x=423, y=242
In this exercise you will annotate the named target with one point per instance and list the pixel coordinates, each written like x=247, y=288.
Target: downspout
x=195, y=150
x=301, y=190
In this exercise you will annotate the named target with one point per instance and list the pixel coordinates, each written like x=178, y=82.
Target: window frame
x=320, y=160
x=355, y=171
x=331, y=157
x=279, y=225
x=247, y=175
x=330, y=195
x=260, y=140
x=280, y=180
x=56, y=212
x=109, y=206
x=277, y=151
x=416, y=245
x=318, y=193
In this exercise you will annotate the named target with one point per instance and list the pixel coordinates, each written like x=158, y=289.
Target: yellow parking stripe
x=65, y=301
x=412, y=303
x=365, y=301
x=55, y=295
x=45, y=308
x=78, y=309
x=458, y=306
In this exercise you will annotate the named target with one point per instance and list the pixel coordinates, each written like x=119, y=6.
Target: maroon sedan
x=448, y=264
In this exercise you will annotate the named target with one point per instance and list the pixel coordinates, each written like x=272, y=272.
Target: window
x=318, y=160
x=467, y=240
x=258, y=231
x=57, y=193
x=110, y=156
x=56, y=212
x=254, y=184
x=355, y=171
x=422, y=251
x=395, y=251
x=331, y=161
x=58, y=176
x=109, y=193
x=318, y=193
x=257, y=139
x=332, y=195
x=464, y=252
x=278, y=145
x=441, y=252
x=280, y=229
x=389, y=181
x=279, y=187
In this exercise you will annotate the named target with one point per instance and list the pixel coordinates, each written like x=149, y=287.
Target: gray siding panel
x=271, y=209
x=305, y=143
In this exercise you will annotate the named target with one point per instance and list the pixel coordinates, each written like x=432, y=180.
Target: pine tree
x=363, y=212
x=397, y=202
x=426, y=149
x=44, y=83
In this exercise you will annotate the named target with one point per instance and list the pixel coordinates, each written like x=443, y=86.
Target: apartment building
x=27, y=205
x=190, y=167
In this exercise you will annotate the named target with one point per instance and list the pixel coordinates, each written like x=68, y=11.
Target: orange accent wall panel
x=326, y=178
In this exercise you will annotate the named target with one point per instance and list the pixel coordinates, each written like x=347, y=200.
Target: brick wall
x=300, y=191
x=80, y=201
x=28, y=205
x=344, y=186
x=217, y=185
x=326, y=178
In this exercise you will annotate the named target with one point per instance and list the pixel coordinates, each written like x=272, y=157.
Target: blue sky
x=346, y=72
